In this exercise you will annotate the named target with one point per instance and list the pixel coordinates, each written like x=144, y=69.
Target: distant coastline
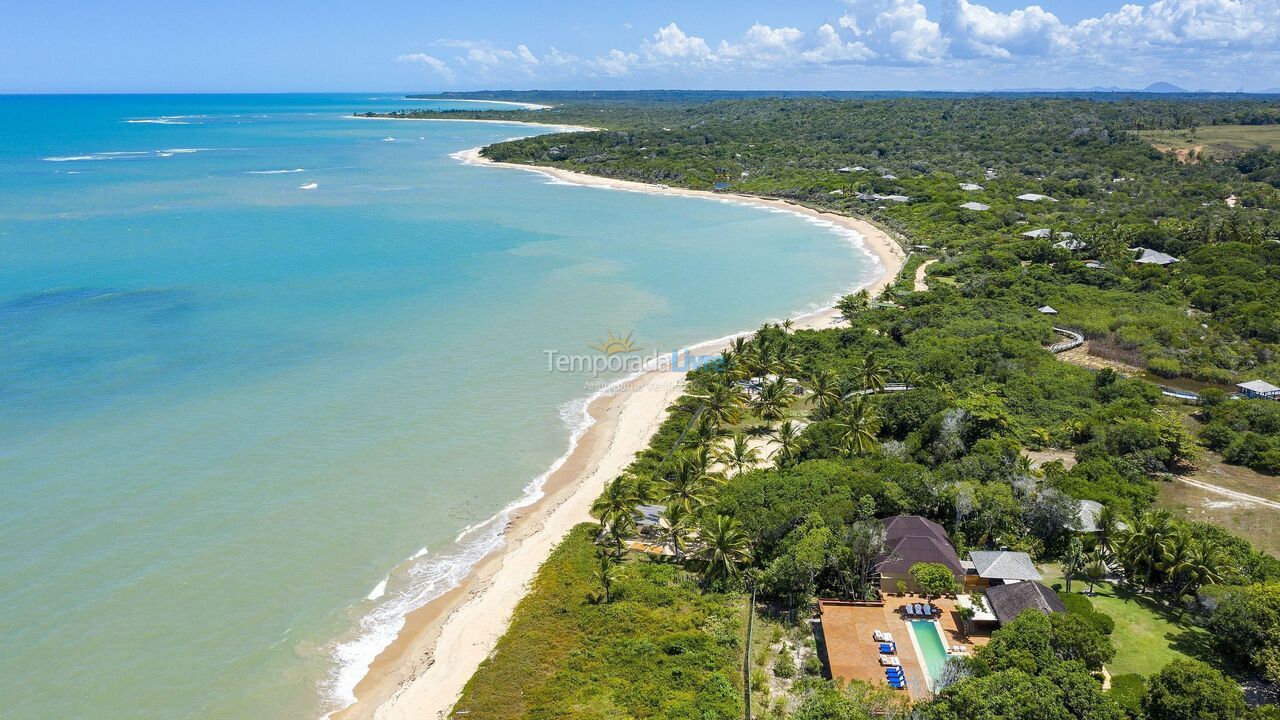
x=421, y=674
x=524, y=105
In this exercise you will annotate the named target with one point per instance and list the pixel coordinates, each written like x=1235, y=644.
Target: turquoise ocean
x=269, y=376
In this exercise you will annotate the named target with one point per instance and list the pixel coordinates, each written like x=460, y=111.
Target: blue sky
x=321, y=45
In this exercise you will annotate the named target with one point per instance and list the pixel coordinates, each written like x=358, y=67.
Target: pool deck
x=851, y=653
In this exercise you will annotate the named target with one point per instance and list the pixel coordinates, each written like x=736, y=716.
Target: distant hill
x=1163, y=87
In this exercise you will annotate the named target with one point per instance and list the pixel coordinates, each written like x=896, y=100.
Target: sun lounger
x=888, y=648
x=931, y=609
x=893, y=672
x=881, y=636
x=958, y=648
x=919, y=609
x=890, y=661
x=888, y=637
x=898, y=685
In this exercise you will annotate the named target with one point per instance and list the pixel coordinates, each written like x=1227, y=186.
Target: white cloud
x=978, y=30
x=439, y=66
x=670, y=43
x=1159, y=38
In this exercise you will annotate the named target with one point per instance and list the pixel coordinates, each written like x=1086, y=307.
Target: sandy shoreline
x=422, y=673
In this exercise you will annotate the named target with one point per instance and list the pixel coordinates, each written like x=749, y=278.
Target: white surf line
x=1233, y=494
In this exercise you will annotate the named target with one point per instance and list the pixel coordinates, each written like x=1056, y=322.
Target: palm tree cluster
x=1153, y=552
x=756, y=378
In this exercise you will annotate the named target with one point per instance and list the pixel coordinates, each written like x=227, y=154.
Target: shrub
x=1080, y=605
x=785, y=666
x=1216, y=435
x=1128, y=691
x=1165, y=367
x=812, y=665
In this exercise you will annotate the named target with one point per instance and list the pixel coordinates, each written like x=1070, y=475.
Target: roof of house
x=971, y=187
x=1258, y=386
x=1070, y=243
x=1038, y=233
x=912, y=539
x=1009, y=601
x=1088, y=514
x=1047, y=310
x=1154, y=257
x=975, y=206
x=650, y=515
x=1004, y=565
x=1036, y=197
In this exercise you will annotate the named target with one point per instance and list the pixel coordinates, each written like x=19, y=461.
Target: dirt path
x=1080, y=356
x=1234, y=495
x=921, y=285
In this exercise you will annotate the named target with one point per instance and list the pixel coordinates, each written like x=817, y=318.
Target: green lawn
x=1148, y=635
x=1218, y=140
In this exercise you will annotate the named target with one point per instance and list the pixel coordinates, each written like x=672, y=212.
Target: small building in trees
x=1048, y=310
x=1147, y=256
x=911, y=539
x=1036, y=197
x=975, y=206
x=1259, y=389
x=1000, y=567
x=1009, y=601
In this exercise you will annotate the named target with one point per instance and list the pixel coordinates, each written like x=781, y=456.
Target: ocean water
x=269, y=374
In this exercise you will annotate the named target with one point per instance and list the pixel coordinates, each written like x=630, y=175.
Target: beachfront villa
x=911, y=539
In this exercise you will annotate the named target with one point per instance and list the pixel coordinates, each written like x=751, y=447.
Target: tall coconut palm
x=859, y=427
x=1203, y=565
x=739, y=455
x=1144, y=546
x=1095, y=569
x=721, y=403
x=688, y=488
x=825, y=389
x=619, y=500
x=674, y=524
x=725, y=548
x=772, y=401
x=606, y=574
x=1073, y=560
x=787, y=438
x=871, y=372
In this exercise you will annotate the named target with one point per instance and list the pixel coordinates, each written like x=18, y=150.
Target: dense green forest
x=802, y=520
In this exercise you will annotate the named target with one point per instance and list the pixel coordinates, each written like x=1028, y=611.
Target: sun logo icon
x=615, y=344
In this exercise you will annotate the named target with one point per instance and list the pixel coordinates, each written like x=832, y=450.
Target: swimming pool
x=929, y=641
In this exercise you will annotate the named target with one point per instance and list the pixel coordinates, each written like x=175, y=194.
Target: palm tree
x=725, y=549
x=871, y=372
x=850, y=305
x=1073, y=560
x=772, y=401
x=721, y=404
x=674, y=526
x=688, y=485
x=1095, y=569
x=787, y=325
x=859, y=427
x=606, y=574
x=787, y=437
x=826, y=392
x=619, y=500
x=739, y=455
x=1144, y=546
x=1202, y=566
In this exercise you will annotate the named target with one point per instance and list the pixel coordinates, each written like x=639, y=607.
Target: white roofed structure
x=1036, y=197
x=975, y=206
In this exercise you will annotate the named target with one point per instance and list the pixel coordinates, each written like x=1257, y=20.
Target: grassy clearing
x=662, y=649
x=1217, y=140
x=1148, y=635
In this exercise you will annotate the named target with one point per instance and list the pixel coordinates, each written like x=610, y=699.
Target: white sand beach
x=422, y=673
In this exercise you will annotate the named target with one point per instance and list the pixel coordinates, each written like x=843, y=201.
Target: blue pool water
x=255, y=360
x=930, y=644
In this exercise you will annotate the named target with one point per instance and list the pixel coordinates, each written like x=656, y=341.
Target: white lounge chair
x=890, y=661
